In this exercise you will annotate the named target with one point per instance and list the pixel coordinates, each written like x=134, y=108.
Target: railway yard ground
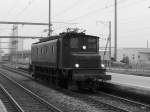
x=122, y=85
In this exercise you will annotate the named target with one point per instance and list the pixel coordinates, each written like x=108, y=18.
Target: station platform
x=130, y=80
x=128, y=83
x=137, y=72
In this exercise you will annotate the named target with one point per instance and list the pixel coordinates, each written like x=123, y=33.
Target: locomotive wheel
x=79, y=85
x=64, y=79
x=53, y=80
x=92, y=86
x=34, y=76
x=57, y=81
x=57, y=78
x=63, y=83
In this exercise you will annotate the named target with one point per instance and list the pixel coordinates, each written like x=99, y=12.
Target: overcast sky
x=91, y=15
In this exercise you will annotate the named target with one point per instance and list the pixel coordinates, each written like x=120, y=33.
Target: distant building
x=5, y=57
x=135, y=55
x=21, y=57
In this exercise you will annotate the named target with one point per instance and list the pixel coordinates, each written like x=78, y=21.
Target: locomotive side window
x=74, y=43
x=37, y=51
x=46, y=49
x=41, y=51
x=52, y=49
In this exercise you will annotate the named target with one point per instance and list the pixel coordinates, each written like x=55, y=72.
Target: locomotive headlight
x=84, y=47
x=77, y=65
x=102, y=65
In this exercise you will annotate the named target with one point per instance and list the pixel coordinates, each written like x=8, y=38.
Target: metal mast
x=115, y=31
x=110, y=43
x=49, y=17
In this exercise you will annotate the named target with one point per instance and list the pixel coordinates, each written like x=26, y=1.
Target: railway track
x=28, y=101
x=10, y=105
x=112, y=103
x=143, y=106
x=119, y=103
x=16, y=70
x=103, y=105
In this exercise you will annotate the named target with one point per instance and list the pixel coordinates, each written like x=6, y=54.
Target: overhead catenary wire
x=31, y=1
x=102, y=9
x=14, y=5
x=73, y=5
x=105, y=8
x=91, y=12
x=127, y=20
x=137, y=29
x=95, y=11
x=132, y=3
x=25, y=8
x=88, y=14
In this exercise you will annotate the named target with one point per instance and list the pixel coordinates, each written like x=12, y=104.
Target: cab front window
x=74, y=43
x=84, y=44
x=92, y=43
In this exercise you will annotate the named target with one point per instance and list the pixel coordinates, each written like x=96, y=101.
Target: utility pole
x=14, y=44
x=115, y=32
x=108, y=40
x=49, y=33
x=110, y=43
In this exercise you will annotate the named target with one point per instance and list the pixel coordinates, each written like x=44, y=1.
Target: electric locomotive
x=67, y=59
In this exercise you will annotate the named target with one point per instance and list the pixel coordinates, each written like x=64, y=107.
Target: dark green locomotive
x=69, y=58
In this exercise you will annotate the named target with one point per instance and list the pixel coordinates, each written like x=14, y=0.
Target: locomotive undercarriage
x=90, y=78
x=69, y=78
x=51, y=75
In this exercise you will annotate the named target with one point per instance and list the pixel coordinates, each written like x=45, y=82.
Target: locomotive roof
x=62, y=35
x=47, y=39
x=65, y=34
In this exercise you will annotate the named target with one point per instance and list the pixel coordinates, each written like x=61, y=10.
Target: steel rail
x=19, y=109
x=104, y=106
x=107, y=106
x=33, y=94
x=127, y=100
x=110, y=95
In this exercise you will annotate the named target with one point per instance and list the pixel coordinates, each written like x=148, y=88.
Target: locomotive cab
x=81, y=49
x=84, y=52
x=81, y=57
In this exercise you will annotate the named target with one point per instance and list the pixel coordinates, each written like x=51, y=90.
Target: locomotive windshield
x=84, y=44
x=92, y=43
x=74, y=43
